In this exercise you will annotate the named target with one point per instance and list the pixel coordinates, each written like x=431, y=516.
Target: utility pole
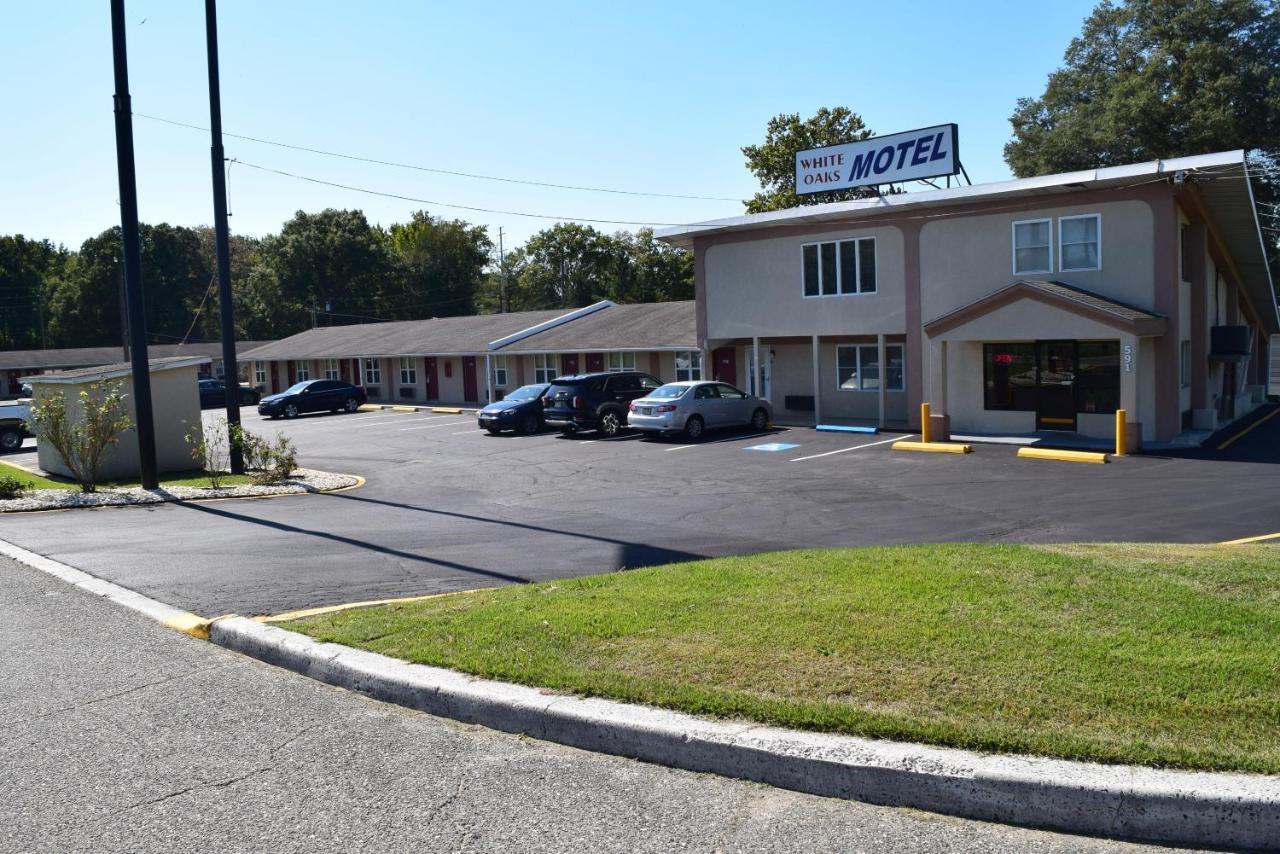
x=222, y=240
x=132, y=252
x=502, y=275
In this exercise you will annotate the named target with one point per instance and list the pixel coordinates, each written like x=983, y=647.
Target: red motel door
x=725, y=366
x=470, y=393
x=275, y=377
x=433, y=379
x=568, y=363
x=595, y=363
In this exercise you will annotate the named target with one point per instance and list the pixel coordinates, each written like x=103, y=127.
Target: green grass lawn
x=1154, y=654
x=196, y=477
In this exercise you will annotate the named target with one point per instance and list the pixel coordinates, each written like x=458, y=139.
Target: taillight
x=667, y=407
x=577, y=402
x=632, y=406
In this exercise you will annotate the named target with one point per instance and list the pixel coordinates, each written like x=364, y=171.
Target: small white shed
x=175, y=399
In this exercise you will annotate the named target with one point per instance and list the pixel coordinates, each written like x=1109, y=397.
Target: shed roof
x=114, y=371
x=77, y=357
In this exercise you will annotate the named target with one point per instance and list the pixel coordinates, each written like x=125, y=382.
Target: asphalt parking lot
x=448, y=507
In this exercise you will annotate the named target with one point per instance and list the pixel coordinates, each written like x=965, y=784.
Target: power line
x=447, y=204
x=438, y=171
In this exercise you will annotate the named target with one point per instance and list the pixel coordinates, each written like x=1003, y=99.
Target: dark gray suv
x=595, y=401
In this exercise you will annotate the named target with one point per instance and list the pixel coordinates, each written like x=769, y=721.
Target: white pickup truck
x=13, y=425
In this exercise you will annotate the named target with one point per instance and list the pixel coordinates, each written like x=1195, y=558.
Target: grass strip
x=195, y=477
x=1152, y=654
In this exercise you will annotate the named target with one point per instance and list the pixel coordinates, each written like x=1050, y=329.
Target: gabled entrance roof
x=1118, y=315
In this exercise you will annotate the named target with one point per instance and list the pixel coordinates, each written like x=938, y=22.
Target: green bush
x=210, y=450
x=266, y=462
x=83, y=442
x=11, y=487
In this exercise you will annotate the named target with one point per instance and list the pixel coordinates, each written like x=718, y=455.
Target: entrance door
x=1056, y=407
x=595, y=363
x=433, y=378
x=568, y=364
x=724, y=366
x=766, y=372
x=470, y=391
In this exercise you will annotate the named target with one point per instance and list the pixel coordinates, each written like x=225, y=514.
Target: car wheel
x=693, y=428
x=291, y=410
x=350, y=405
x=759, y=420
x=530, y=425
x=610, y=423
x=10, y=440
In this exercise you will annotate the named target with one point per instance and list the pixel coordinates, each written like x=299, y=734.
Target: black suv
x=595, y=401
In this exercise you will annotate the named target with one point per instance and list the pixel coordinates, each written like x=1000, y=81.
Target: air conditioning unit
x=408, y=392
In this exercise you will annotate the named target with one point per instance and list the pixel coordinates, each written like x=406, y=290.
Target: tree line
x=327, y=268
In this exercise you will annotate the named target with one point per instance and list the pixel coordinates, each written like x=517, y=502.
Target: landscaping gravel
x=302, y=480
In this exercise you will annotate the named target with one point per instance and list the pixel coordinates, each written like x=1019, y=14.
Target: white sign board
x=909, y=156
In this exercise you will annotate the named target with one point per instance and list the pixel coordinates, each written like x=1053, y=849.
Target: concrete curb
x=1184, y=807
x=175, y=618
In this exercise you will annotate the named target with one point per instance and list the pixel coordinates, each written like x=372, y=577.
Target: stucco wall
x=756, y=288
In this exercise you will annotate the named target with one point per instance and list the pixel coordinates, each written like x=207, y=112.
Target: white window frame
x=857, y=266
x=883, y=371
x=408, y=371
x=545, y=367
x=499, y=364
x=219, y=369
x=623, y=356
x=260, y=373
x=1062, y=253
x=331, y=370
x=693, y=373
x=301, y=370
x=372, y=371
x=1013, y=245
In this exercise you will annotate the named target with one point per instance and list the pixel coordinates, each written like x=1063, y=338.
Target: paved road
x=119, y=735
x=447, y=507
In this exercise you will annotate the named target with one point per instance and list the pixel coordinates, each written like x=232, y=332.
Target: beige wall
x=175, y=399
x=964, y=258
x=756, y=288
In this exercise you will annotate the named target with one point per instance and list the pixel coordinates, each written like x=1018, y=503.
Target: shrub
x=11, y=487
x=211, y=451
x=266, y=462
x=83, y=444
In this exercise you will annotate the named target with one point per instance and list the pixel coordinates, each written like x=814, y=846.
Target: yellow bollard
x=924, y=423
x=1121, y=432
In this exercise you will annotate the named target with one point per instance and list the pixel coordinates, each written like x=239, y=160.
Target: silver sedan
x=693, y=407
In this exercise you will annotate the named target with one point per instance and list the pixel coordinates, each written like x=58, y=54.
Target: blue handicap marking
x=772, y=446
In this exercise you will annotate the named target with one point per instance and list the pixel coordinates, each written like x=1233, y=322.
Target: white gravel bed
x=302, y=480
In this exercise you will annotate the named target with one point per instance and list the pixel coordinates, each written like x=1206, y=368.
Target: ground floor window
x=622, y=362
x=219, y=370
x=408, y=371
x=688, y=365
x=1009, y=376
x=259, y=373
x=544, y=367
x=858, y=367
x=1018, y=376
x=499, y=371
x=1098, y=376
x=372, y=372
x=301, y=370
x=331, y=369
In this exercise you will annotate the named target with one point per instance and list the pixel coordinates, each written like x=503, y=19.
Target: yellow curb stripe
x=1257, y=539
x=932, y=447
x=448, y=410
x=404, y=409
x=1062, y=456
x=1254, y=426
x=333, y=609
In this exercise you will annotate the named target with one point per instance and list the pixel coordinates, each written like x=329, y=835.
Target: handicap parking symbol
x=772, y=446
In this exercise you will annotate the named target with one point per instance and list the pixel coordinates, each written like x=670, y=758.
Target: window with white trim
x=219, y=370
x=839, y=267
x=372, y=372
x=544, y=367
x=499, y=371
x=858, y=367
x=622, y=362
x=688, y=365
x=408, y=371
x=331, y=369
x=1032, y=249
x=301, y=370
x=1080, y=242
x=259, y=373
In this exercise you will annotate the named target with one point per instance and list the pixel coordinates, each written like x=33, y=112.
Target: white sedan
x=695, y=406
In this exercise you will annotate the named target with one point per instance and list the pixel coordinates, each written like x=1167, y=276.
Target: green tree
x=565, y=266
x=648, y=270
x=1149, y=79
x=442, y=267
x=774, y=161
x=30, y=272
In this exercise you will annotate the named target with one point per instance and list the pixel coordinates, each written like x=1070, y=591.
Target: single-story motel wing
x=1040, y=304
x=471, y=359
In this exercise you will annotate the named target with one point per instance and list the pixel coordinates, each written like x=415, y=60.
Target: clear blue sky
x=654, y=97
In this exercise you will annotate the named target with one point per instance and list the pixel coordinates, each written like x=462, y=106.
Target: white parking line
x=844, y=450
x=433, y=426
x=718, y=441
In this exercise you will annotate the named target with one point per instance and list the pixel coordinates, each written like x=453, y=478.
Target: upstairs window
x=839, y=267
x=1032, y=252
x=1080, y=242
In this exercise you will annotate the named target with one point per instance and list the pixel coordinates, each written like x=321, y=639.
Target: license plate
x=646, y=410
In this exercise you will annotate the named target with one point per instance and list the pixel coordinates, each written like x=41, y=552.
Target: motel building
x=1014, y=309
x=472, y=359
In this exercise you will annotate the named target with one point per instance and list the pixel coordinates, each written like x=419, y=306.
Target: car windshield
x=297, y=388
x=528, y=392
x=668, y=392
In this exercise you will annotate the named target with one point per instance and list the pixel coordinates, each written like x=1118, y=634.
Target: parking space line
x=718, y=441
x=1263, y=420
x=1244, y=540
x=845, y=450
x=433, y=426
